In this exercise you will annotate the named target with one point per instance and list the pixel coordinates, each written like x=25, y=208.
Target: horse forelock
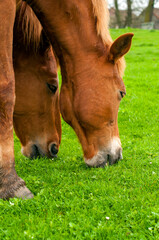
x=29, y=24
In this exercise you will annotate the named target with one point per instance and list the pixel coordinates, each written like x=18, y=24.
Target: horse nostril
x=53, y=149
x=35, y=152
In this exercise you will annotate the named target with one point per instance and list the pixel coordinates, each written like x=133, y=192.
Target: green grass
x=73, y=201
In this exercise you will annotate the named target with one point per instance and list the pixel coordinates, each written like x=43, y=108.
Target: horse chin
x=99, y=160
x=109, y=155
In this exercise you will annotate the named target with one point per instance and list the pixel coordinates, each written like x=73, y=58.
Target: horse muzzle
x=108, y=155
x=34, y=151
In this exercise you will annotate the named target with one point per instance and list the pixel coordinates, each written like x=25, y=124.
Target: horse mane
x=28, y=25
x=101, y=13
x=32, y=29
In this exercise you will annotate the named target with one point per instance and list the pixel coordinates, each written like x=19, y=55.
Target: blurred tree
x=149, y=11
x=117, y=13
x=129, y=13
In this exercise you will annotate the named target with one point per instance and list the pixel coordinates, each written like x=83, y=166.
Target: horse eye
x=122, y=94
x=52, y=87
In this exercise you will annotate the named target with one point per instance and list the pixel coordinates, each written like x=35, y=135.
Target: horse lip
x=103, y=158
x=112, y=161
x=103, y=164
x=54, y=156
x=98, y=161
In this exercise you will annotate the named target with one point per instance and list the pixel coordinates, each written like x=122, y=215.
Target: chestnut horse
x=92, y=85
x=92, y=66
x=36, y=116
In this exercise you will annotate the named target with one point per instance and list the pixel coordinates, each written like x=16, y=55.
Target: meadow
x=118, y=202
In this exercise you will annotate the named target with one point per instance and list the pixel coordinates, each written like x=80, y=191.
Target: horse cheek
x=65, y=105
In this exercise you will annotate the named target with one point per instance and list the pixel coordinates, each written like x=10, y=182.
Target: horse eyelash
x=122, y=94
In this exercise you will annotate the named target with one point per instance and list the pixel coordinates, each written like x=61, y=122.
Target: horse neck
x=72, y=32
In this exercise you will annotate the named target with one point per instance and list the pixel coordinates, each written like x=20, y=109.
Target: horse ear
x=120, y=47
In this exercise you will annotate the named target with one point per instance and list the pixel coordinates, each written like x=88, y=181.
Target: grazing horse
x=92, y=66
x=36, y=116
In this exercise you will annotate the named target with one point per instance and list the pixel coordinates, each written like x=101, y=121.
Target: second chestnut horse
x=36, y=113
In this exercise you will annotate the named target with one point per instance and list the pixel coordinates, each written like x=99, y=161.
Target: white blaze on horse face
x=113, y=150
